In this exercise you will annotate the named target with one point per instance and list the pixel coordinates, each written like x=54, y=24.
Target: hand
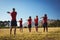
x=8, y=12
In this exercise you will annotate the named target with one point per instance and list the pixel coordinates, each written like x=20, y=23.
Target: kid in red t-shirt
x=36, y=23
x=29, y=23
x=13, y=20
x=21, y=26
x=45, y=23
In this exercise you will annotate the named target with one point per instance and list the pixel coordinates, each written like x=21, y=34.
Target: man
x=36, y=23
x=45, y=23
x=13, y=21
x=29, y=23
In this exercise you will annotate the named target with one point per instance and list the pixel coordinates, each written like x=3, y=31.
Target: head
x=45, y=15
x=30, y=17
x=36, y=16
x=13, y=9
x=21, y=18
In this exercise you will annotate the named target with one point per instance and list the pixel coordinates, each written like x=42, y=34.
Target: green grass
x=52, y=34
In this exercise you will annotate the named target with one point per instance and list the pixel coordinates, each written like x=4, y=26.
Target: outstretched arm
x=8, y=12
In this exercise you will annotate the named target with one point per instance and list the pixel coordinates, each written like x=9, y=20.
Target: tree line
x=55, y=23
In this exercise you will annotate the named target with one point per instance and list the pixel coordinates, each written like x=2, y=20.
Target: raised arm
x=8, y=12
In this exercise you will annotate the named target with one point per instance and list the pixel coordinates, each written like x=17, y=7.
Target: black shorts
x=36, y=24
x=45, y=25
x=21, y=26
x=29, y=26
x=14, y=23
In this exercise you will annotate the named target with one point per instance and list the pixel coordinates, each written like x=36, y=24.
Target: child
x=29, y=23
x=45, y=23
x=21, y=26
x=13, y=21
x=36, y=23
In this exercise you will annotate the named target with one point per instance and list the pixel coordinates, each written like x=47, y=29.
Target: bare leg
x=46, y=29
x=15, y=31
x=10, y=30
x=29, y=29
x=22, y=29
x=36, y=29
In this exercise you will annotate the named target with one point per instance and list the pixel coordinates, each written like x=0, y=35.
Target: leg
x=36, y=28
x=22, y=29
x=29, y=29
x=10, y=30
x=44, y=29
x=15, y=31
x=29, y=26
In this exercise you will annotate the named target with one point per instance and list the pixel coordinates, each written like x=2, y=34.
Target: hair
x=45, y=15
x=13, y=8
x=29, y=16
x=21, y=18
x=36, y=16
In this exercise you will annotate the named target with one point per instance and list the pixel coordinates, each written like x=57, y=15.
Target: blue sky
x=26, y=8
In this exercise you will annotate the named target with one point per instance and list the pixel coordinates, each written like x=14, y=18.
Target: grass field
x=52, y=34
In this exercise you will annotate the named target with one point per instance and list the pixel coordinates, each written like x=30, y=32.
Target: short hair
x=45, y=15
x=36, y=16
x=29, y=16
x=13, y=8
x=21, y=18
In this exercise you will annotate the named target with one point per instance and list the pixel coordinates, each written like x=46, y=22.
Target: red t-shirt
x=20, y=22
x=36, y=21
x=45, y=19
x=29, y=21
x=13, y=15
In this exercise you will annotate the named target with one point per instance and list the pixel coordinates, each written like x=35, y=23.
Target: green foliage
x=56, y=23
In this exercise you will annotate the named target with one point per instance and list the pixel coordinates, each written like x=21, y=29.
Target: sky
x=26, y=8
